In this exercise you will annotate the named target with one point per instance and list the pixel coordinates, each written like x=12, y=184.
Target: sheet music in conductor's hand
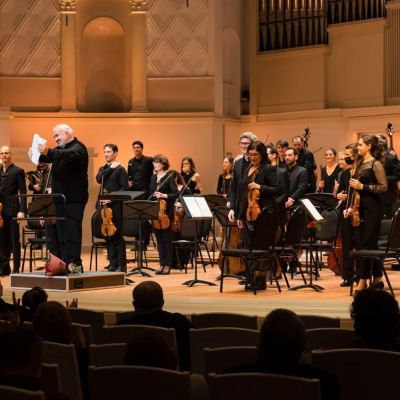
x=35, y=152
x=197, y=207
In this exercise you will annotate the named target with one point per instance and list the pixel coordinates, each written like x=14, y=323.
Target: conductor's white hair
x=249, y=135
x=65, y=128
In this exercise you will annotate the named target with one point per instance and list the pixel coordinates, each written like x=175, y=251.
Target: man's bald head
x=148, y=296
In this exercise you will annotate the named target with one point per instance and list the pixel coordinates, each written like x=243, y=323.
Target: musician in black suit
x=306, y=160
x=140, y=169
x=391, y=165
x=113, y=178
x=298, y=179
x=240, y=168
x=12, y=183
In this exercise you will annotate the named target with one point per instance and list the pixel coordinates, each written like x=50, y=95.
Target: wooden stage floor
x=333, y=301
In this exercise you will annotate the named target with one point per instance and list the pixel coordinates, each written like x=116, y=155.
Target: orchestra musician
x=261, y=176
x=190, y=176
x=38, y=178
x=347, y=231
x=329, y=173
x=12, y=183
x=281, y=147
x=224, y=179
x=306, y=160
x=370, y=181
x=163, y=188
x=113, y=178
x=240, y=166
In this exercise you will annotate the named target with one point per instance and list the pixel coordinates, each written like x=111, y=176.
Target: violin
x=1, y=215
x=163, y=221
x=335, y=257
x=355, y=214
x=107, y=228
x=253, y=196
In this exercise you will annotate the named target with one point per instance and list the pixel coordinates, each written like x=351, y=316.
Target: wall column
x=392, y=53
x=139, y=56
x=68, y=55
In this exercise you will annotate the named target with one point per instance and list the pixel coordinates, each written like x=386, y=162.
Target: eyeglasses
x=244, y=143
x=254, y=155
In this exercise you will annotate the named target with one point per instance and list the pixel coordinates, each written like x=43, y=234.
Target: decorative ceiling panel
x=29, y=38
x=178, y=38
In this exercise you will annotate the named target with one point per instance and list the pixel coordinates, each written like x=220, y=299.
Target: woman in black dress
x=329, y=173
x=224, y=180
x=370, y=181
x=163, y=187
x=190, y=176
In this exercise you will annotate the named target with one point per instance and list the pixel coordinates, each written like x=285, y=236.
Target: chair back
x=13, y=393
x=86, y=330
x=264, y=235
x=122, y=315
x=295, y=228
x=250, y=385
x=328, y=226
x=104, y=355
x=89, y=317
x=50, y=375
x=188, y=229
x=394, y=236
x=330, y=338
x=362, y=373
x=215, y=320
x=117, y=382
x=217, y=337
x=64, y=356
x=95, y=223
x=384, y=230
x=128, y=333
x=220, y=359
x=319, y=321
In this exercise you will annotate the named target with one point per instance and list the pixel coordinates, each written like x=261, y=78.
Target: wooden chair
x=89, y=317
x=64, y=356
x=126, y=382
x=319, y=321
x=219, y=359
x=362, y=373
x=12, y=393
x=103, y=355
x=253, y=385
x=127, y=333
x=220, y=319
x=330, y=338
x=217, y=337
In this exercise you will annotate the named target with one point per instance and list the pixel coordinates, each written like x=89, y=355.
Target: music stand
x=316, y=216
x=196, y=208
x=213, y=201
x=140, y=210
x=322, y=200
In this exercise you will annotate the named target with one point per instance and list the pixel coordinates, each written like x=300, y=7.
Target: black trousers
x=69, y=242
x=164, y=246
x=9, y=243
x=116, y=248
x=347, y=233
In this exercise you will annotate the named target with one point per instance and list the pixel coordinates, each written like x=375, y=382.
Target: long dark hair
x=377, y=150
x=260, y=148
x=229, y=172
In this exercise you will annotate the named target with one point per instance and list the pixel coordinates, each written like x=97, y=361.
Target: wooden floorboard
x=333, y=301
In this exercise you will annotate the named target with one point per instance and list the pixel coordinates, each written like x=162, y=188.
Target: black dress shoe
x=165, y=271
x=159, y=271
x=346, y=283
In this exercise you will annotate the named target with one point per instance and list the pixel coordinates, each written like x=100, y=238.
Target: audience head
x=21, y=351
x=150, y=350
x=147, y=296
x=376, y=316
x=282, y=338
x=31, y=299
x=53, y=322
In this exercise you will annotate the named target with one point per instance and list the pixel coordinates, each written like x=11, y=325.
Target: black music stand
x=140, y=210
x=213, y=201
x=196, y=208
x=316, y=216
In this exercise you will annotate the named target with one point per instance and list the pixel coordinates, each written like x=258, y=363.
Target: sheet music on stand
x=197, y=209
x=312, y=211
